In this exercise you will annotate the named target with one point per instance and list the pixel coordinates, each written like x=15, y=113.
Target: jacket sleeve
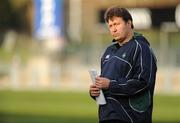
x=140, y=74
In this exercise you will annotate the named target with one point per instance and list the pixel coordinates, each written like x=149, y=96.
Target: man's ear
x=129, y=23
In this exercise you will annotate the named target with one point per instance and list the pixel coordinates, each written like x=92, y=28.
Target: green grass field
x=70, y=107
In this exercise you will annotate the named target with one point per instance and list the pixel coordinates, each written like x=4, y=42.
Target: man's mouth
x=115, y=35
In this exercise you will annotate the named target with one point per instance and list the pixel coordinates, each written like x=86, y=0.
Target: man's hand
x=94, y=91
x=102, y=83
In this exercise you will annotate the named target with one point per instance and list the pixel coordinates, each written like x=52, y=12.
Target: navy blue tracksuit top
x=131, y=69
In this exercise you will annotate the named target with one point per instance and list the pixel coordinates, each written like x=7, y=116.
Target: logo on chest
x=123, y=55
x=107, y=56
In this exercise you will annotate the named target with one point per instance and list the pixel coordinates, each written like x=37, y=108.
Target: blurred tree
x=13, y=16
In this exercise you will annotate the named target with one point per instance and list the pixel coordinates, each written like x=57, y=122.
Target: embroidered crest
x=123, y=55
x=107, y=56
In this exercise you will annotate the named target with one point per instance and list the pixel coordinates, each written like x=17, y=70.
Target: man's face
x=119, y=29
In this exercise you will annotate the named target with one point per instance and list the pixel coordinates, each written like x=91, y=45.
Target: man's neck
x=128, y=38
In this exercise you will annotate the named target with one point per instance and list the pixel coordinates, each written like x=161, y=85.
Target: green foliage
x=5, y=56
x=13, y=14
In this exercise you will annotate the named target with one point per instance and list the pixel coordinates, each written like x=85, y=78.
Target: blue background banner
x=48, y=18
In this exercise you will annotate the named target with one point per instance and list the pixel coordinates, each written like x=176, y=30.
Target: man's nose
x=114, y=29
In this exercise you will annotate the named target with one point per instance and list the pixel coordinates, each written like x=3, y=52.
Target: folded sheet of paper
x=100, y=99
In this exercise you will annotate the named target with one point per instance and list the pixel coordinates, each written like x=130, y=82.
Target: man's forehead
x=114, y=18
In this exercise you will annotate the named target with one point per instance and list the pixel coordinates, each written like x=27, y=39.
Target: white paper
x=100, y=99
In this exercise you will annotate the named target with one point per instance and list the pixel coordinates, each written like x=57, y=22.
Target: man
x=128, y=73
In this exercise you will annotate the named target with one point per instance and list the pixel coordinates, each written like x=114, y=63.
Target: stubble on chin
x=118, y=39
